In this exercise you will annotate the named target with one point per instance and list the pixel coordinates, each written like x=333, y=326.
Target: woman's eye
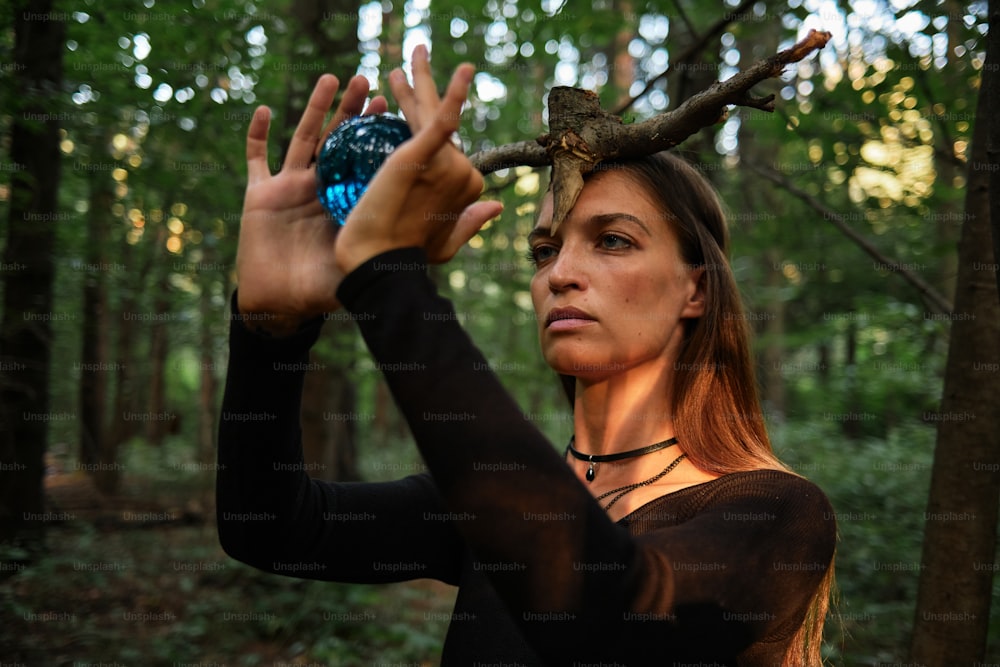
x=614, y=242
x=541, y=253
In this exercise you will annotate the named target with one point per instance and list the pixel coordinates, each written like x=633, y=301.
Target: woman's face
x=610, y=287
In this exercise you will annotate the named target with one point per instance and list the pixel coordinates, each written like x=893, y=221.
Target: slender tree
x=329, y=401
x=991, y=88
x=960, y=534
x=29, y=269
x=94, y=339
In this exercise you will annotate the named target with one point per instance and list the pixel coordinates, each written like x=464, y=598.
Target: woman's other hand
x=285, y=257
x=425, y=193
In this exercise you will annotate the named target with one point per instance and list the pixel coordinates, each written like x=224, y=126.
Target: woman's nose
x=567, y=270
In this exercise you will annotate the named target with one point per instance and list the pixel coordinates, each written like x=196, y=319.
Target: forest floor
x=140, y=579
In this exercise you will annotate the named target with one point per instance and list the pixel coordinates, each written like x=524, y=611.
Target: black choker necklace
x=604, y=458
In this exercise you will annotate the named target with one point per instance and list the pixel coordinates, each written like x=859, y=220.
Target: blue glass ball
x=351, y=155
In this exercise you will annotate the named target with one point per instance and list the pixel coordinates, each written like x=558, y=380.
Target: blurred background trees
x=150, y=112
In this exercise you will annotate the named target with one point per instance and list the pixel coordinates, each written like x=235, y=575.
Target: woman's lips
x=572, y=323
x=561, y=319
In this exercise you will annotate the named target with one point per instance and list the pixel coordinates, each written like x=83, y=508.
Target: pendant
x=351, y=155
x=590, y=472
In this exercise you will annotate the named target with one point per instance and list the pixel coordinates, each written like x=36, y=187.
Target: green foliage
x=878, y=488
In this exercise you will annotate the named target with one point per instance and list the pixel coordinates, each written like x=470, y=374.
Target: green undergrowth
x=172, y=596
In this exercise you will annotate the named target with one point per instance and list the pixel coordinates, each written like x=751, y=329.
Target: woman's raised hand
x=285, y=258
x=291, y=257
x=425, y=193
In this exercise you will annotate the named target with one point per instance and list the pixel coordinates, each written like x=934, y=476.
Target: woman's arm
x=273, y=516
x=270, y=513
x=580, y=579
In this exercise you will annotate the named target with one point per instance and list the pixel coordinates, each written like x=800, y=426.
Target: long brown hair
x=715, y=404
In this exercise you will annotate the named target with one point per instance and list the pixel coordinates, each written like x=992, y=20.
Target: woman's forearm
x=274, y=517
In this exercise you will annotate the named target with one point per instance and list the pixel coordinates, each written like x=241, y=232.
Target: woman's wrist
x=269, y=325
x=350, y=257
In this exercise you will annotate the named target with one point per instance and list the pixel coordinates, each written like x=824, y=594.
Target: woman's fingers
x=469, y=222
x=376, y=106
x=420, y=103
x=442, y=121
x=423, y=85
x=405, y=98
x=455, y=96
x=429, y=105
x=353, y=101
x=352, y=104
x=303, y=145
x=257, y=169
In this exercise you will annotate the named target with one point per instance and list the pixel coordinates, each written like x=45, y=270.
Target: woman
x=667, y=534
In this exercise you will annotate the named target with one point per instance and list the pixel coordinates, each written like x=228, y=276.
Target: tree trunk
x=956, y=576
x=159, y=421
x=691, y=78
x=329, y=415
x=623, y=65
x=122, y=427
x=388, y=423
x=209, y=381
x=328, y=401
x=132, y=386
x=391, y=44
x=991, y=88
x=773, y=347
x=29, y=269
x=773, y=354
x=94, y=365
x=850, y=423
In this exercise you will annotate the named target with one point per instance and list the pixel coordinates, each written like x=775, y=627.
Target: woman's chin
x=583, y=367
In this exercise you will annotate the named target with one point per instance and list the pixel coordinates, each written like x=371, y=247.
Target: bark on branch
x=582, y=135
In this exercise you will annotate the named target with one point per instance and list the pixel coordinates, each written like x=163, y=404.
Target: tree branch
x=508, y=156
x=931, y=296
x=582, y=134
x=671, y=128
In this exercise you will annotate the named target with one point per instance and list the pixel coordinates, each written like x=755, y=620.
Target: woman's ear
x=695, y=306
